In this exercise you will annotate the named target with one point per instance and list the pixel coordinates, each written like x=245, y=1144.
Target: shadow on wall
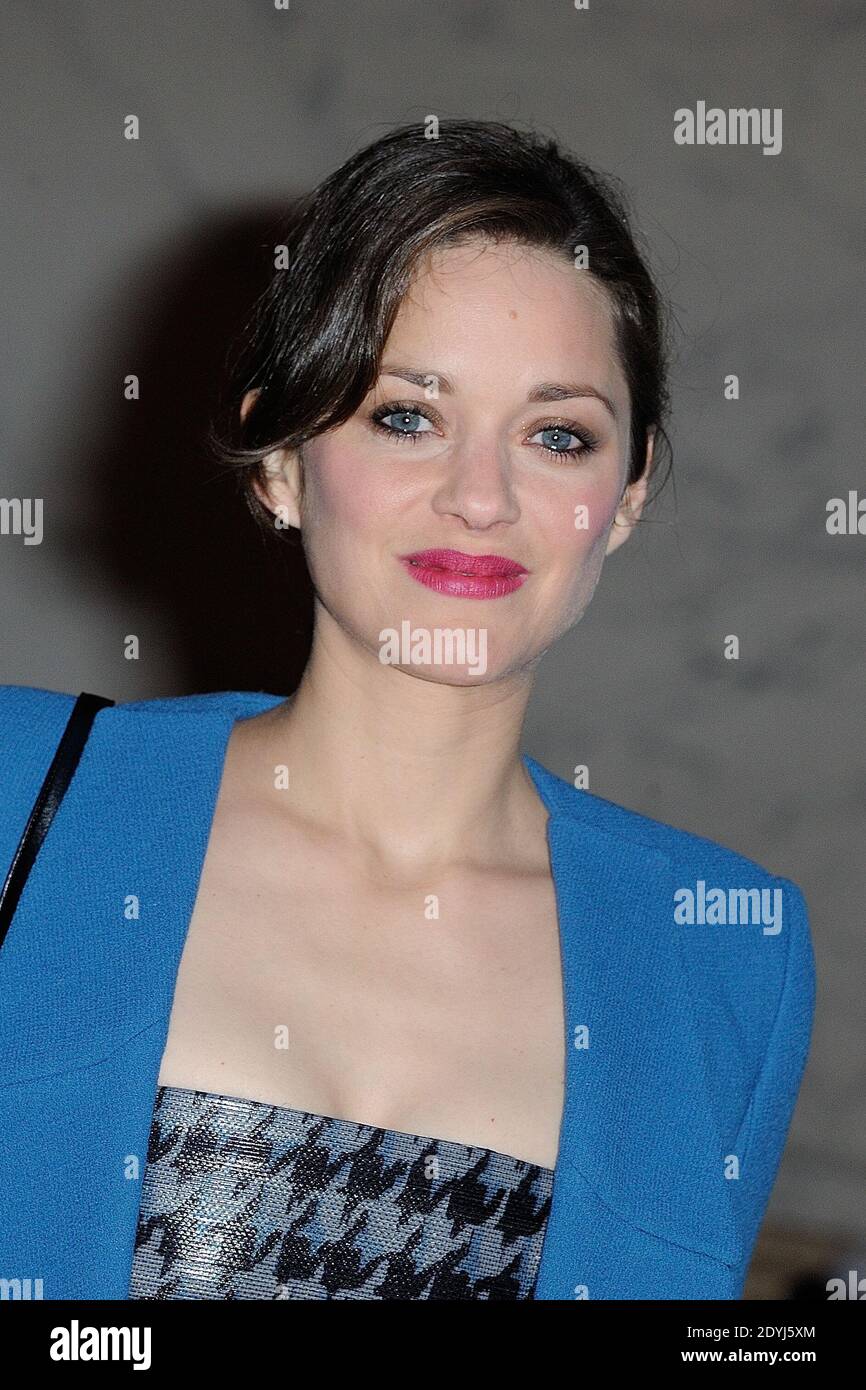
x=169, y=526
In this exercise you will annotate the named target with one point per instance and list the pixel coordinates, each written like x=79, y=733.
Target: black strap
x=51, y=793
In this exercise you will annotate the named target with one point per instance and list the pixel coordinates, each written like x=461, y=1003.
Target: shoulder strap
x=51, y=793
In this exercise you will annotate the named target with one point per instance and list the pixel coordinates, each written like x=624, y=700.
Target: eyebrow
x=544, y=391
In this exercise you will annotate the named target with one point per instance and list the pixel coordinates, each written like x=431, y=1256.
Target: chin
x=438, y=675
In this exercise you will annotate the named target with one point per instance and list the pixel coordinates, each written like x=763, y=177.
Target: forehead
x=513, y=306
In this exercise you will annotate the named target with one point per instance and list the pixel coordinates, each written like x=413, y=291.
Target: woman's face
x=498, y=429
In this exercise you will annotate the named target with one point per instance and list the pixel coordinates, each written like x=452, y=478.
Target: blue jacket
x=675, y=1113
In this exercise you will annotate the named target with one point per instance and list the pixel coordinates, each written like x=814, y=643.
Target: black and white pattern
x=241, y=1199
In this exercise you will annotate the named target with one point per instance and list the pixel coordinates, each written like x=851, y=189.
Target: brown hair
x=313, y=343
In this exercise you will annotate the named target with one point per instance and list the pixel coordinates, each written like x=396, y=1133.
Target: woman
x=403, y=1014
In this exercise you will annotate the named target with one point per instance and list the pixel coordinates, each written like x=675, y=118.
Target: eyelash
x=589, y=443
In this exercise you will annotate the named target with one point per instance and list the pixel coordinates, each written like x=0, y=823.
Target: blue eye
x=555, y=439
x=406, y=421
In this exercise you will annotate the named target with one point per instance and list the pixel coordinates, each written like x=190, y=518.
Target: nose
x=477, y=487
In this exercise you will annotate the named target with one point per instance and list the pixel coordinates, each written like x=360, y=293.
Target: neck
x=416, y=773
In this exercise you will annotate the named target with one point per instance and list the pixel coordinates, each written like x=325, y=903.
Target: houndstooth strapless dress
x=241, y=1199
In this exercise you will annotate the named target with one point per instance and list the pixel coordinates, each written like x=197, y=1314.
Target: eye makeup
x=588, y=441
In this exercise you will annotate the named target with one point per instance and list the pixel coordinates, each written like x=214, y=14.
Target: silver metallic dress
x=242, y=1199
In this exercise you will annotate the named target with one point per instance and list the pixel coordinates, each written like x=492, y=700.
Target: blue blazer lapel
x=641, y=1207
x=74, y=1123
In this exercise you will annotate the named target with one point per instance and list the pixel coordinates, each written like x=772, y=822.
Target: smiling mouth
x=469, y=566
x=454, y=574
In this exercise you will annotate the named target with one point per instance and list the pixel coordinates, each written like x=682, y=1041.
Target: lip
x=465, y=576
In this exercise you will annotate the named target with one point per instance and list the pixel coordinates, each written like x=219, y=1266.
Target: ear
x=632, y=502
x=282, y=490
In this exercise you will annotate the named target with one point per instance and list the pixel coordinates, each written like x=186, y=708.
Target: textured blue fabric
x=675, y=1113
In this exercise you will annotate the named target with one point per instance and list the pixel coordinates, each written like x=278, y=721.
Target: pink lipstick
x=465, y=576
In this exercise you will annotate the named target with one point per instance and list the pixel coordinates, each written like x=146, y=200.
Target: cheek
x=575, y=538
x=578, y=524
x=340, y=498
